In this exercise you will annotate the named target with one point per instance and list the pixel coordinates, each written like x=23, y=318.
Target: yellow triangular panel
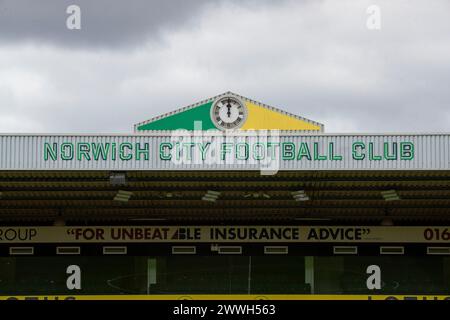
x=260, y=118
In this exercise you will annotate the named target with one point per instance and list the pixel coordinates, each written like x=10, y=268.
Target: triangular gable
x=259, y=117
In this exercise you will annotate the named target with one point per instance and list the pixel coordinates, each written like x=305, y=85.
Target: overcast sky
x=133, y=60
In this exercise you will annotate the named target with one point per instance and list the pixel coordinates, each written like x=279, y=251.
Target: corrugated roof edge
x=221, y=95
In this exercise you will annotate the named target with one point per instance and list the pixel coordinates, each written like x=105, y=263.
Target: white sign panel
x=266, y=151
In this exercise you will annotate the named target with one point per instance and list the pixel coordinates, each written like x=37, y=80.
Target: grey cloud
x=105, y=23
x=316, y=59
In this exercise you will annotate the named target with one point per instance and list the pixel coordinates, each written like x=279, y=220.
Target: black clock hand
x=229, y=109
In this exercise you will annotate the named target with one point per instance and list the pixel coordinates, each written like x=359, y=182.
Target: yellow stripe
x=229, y=297
x=260, y=118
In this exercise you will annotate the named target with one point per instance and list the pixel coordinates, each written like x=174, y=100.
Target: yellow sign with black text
x=224, y=234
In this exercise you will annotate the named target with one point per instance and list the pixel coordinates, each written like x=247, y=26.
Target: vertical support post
x=309, y=272
x=151, y=273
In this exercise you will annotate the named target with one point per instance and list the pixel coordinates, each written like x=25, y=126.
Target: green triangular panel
x=183, y=120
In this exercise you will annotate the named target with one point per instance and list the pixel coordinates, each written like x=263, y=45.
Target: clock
x=228, y=113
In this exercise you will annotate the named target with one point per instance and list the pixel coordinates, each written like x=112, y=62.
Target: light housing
x=118, y=179
x=211, y=196
x=390, y=195
x=300, y=195
x=123, y=196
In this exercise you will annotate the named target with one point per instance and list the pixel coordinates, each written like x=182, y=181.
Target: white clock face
x=228, y=113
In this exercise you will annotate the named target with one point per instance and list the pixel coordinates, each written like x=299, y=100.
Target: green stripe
x=183, y=120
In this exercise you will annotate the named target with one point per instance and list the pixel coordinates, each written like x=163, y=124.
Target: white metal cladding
x=26, y=152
